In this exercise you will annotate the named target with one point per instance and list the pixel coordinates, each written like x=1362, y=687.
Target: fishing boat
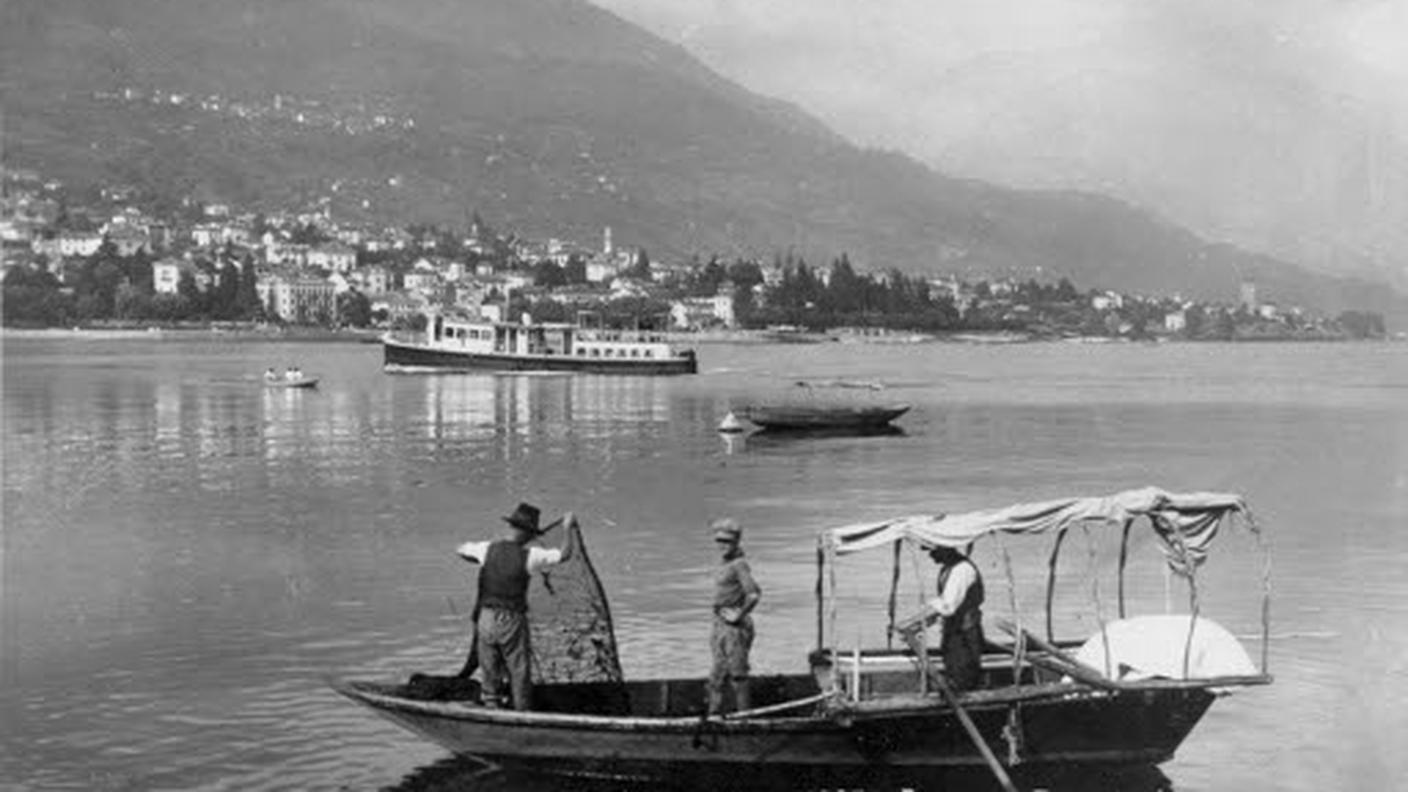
x=1124, y=696
x=840, y=405
x=476, y=344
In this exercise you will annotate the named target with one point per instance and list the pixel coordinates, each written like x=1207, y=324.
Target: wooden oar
x=774, y=708
x=912, y=639
x=1065, y=663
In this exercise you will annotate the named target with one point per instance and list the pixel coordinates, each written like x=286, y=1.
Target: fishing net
x=571, y=633
x=573, y=639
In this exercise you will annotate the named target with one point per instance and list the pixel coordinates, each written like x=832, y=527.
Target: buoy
x=730, y=424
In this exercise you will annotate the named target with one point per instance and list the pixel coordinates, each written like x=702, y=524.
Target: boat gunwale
x=376, y=695
x=803, y=417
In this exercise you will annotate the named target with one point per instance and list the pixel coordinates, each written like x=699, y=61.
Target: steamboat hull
x=403, y=356
x=1039, y=736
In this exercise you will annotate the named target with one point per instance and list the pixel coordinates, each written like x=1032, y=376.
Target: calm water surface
x=186, y=554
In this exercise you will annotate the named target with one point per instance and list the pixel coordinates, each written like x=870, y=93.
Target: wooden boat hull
x=1039, y=732
x=407, y=356
x=813, y=418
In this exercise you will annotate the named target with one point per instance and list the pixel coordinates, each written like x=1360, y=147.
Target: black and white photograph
x=814, y=395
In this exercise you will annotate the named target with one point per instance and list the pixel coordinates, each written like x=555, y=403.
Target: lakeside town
x=106, y=258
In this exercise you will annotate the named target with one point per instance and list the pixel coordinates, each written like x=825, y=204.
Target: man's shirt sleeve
x=955, y=589
x=539, y=557
x=473, y=552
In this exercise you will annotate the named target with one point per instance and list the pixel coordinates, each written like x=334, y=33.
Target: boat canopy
x=1186, y=523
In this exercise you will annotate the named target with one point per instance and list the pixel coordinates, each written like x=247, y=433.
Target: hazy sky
x=1280, y=124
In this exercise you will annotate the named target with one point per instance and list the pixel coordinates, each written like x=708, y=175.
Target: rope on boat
x=1058, y=661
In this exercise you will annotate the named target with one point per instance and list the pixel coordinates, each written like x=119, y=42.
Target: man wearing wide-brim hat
x=735, y=596
x=501, y=610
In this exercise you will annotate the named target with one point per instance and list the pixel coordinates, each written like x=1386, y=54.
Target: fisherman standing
x=959, y=604
x=501, y=610
x=735, y=596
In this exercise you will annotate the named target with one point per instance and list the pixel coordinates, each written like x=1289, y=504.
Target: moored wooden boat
x=821, y=416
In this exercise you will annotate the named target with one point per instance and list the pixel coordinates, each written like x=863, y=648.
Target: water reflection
x=461, y=774
x=765, y=439
x=521, y=404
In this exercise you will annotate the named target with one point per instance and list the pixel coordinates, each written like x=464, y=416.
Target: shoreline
x=707, y=337
x=156, y=333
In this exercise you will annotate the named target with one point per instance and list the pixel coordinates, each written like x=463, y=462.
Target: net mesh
x=573, y=638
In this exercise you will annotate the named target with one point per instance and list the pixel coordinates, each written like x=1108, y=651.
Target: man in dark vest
x=959, y=604
x=501, y=611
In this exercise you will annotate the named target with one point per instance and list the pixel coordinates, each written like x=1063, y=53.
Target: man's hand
x=731, y=615
x=916, y=622
x=574, y=535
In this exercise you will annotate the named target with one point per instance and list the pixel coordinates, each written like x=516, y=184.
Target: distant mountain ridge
x=555, y=118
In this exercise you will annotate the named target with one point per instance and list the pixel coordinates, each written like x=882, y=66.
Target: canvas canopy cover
x=1185, y=523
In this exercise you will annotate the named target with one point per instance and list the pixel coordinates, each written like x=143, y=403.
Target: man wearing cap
x=959, y=604
x=735, y=596
x=501, y=610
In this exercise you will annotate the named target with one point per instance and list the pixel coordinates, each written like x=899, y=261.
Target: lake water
x=186, y=554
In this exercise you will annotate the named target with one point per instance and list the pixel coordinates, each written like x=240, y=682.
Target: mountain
x=1278, y=127
x=552, y=117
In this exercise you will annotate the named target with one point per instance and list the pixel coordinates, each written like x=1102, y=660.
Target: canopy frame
x=1184, y=524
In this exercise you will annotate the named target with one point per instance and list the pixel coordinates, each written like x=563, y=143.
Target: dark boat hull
x=399, y=355
x=1038, y=734
x=814, y=418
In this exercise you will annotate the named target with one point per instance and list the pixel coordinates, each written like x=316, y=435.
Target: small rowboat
x=301, y=382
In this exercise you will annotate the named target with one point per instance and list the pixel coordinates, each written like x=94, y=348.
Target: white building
x=374, y=280
x=166, y=275
x=422, y=281
x=693, y=313
x=1107, y=301
x=332, y=257
x=207, y=234
x=79, y=243
x=601, y=269
x=298, y=299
